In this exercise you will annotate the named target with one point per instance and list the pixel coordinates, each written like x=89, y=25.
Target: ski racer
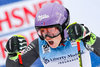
x=57, y=42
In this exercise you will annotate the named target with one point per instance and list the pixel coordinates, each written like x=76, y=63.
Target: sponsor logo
x=89, y=48
x=41, y=17
x=29, y=48
x=46, y=49
x=73, y=43
x=62, y=59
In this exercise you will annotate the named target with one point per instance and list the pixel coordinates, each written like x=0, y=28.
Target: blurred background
x=17, y=17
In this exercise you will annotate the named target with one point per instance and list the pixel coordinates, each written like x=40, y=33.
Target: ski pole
x=20, y=59
x=79, y=53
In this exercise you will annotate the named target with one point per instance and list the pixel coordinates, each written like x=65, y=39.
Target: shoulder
x=35, y=41
x=35, y=45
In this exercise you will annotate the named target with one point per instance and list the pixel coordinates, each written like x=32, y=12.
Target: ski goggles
x=49, y=31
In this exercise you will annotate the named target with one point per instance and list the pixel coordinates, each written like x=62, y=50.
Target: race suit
x=63, y=56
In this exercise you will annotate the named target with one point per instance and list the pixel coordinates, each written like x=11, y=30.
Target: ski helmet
x=53, y=14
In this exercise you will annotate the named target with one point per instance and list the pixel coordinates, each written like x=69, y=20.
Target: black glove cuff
x=12, y=55
x=86, y=39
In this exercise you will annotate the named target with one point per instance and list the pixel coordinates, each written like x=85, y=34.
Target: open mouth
x=51, y=42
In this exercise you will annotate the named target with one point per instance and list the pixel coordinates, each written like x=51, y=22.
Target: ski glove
x=15, y=45
x=80, y=32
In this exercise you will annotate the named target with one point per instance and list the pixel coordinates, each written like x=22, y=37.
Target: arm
x=94, y=47
x=29, y=55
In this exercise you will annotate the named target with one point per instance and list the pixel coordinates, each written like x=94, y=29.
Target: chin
x=53, y=46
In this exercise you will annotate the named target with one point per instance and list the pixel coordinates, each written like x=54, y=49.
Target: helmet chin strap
x=64, y=36
x=61, y=43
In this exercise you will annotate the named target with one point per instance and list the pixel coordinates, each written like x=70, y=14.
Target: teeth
x=49, y=40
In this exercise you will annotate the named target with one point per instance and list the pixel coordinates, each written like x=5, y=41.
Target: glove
x=15, y=45
x=80, y=32
x=77, y=31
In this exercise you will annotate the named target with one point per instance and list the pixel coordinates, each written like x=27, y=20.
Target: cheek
x=58, y=39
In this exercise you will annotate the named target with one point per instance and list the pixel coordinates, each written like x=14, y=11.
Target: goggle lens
x=50, y=32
